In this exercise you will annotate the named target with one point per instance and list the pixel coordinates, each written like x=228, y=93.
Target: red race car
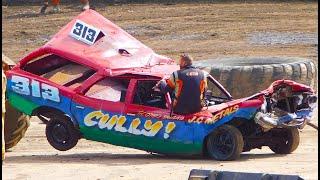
x=93, y=80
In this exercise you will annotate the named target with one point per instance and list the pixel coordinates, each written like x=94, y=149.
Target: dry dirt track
x=205, y=31
x=34, y=158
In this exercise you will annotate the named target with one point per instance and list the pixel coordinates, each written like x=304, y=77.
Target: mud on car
x=93, y=80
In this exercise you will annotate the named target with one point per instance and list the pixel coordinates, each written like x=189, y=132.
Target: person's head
x=185, y=60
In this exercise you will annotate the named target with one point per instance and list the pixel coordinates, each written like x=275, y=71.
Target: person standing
x=56, y=8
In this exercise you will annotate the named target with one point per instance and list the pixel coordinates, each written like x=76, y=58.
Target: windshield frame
x=220, y=87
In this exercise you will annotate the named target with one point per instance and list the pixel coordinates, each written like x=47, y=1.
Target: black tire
x=289, y=143
x=225, y=143
x=61, y=133
x=245, y=76
x=15, y=126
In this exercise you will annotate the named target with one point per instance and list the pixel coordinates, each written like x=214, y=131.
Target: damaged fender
x=286, y=104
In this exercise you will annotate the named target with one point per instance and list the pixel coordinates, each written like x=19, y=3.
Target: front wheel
x=225, y=143
x=61, y=133
x=288, y=140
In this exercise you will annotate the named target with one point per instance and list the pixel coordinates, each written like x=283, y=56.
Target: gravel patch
x=154, y=33
x=143, y=30
x=183, y=37
x=273, y=38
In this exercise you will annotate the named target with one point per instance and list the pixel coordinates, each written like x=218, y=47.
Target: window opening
x=109, y=89
x=59, y=70
x=145, y=95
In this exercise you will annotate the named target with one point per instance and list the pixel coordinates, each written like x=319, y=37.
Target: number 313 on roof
x=84, y=32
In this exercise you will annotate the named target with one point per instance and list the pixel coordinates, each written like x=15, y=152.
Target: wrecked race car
x=93, y=80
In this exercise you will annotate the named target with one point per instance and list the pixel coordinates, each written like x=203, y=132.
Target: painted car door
x=153, y=129
x=99, y=112
x=81, y=106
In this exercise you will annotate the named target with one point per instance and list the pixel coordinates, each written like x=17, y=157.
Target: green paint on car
x=140, y=142
x=21, y=103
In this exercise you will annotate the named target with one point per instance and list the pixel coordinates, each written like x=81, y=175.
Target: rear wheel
x=225, y=143
x=61, y=133
x=289, y=140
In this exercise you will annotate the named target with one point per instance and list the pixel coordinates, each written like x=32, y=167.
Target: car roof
x=104, y=54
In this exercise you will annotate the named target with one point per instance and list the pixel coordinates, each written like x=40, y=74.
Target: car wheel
x=62, y=134
x=225, y=143
x=289, y=140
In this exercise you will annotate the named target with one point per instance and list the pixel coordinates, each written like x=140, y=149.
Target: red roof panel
x=104, y=53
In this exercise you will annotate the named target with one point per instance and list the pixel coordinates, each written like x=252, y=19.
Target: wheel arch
x=238, y=121
x=235, y=121
x=44, y=112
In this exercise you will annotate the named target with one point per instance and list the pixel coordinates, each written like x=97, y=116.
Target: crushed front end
x=286, y=104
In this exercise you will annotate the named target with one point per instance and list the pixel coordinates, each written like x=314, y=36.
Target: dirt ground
x=34, y=158
x=204, y=31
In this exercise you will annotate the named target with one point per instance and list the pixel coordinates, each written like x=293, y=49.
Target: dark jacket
x=188, y=85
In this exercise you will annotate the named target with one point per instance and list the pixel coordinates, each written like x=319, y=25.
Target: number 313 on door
x=22, y=85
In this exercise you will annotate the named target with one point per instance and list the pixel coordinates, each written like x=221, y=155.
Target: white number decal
x=91, y=35
x=35, y=88
x=49, y=92
x=22, y=85
x=84, y=32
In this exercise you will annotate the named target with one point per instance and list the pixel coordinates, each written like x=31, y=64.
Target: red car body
x=91, y=54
